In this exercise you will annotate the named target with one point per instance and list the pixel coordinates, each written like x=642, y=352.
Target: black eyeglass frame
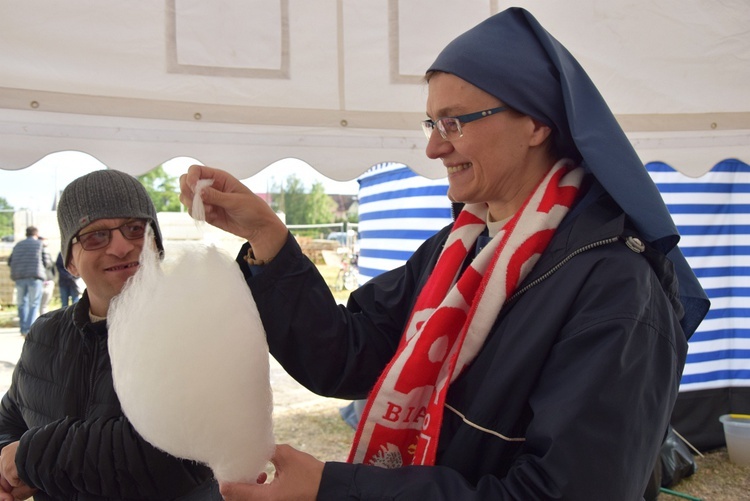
x=428, y=126
x=77, y=237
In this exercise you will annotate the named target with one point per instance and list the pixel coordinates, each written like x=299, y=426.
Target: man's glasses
x=98, y=239
x=450, y=127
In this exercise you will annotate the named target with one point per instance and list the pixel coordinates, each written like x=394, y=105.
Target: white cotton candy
x=190, y=362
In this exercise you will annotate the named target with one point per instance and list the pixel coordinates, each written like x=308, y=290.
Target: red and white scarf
x=452, y=317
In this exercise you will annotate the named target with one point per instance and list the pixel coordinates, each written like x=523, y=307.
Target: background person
x=531, y=350
x=48, y=286
x=67, y=283
x=62, y=431
x=28, y=269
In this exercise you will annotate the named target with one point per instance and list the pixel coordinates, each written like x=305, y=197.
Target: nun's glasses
x=450, y=127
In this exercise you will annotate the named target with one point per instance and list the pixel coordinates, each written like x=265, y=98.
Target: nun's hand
x=297, y=477
x=233, y=207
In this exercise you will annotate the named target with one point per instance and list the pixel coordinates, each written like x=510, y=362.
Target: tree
x=6, y=218
x=162, y=189
x=291, y=200
x=301, y=207
x=319, y=206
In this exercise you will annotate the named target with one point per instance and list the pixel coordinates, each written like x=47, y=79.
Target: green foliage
x=163, y=190
x=292, y=200
x=6, y=218
x=300, y=207
x=319, y=207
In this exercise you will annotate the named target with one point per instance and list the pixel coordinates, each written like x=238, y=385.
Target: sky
x=34, y=187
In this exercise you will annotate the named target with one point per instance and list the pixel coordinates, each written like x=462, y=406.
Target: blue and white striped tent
x=398, y=210
x=712, y=213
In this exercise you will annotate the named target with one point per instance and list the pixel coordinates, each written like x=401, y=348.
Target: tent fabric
x=241, y=84
x=398, y=210
x=712, y=214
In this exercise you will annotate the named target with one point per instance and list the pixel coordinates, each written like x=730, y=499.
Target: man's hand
x=10, y=482
x=5, y=490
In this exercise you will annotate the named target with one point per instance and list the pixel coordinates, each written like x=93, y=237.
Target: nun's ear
x=540, y=134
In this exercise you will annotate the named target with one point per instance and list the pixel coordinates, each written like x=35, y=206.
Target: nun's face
x=498, y=159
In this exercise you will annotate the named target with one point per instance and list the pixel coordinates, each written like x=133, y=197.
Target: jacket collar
x=597, y=218
x=81, y=318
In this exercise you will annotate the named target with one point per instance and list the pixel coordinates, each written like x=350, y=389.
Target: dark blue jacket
x=66, y=278
x=583, y=365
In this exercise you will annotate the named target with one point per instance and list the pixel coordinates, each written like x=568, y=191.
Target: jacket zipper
x=559, y=265
x=87, y=404
x=91, y=379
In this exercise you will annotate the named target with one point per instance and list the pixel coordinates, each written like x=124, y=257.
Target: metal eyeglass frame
x=105, y=242
x=454, y=123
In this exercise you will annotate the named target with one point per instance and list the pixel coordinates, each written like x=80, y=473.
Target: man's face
x=105, y=270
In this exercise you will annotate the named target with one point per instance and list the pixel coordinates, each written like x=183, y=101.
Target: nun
x=530, y=350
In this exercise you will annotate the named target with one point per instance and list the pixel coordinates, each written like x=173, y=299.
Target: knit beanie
x=102, y=194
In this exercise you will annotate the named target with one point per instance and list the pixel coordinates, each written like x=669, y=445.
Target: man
x=28, y=269
x=62, y=431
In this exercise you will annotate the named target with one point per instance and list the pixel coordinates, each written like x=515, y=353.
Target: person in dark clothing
x=531, y=350
x=67, y=283
x=63, y=434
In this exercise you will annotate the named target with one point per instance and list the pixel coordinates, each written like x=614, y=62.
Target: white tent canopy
x=240, y=84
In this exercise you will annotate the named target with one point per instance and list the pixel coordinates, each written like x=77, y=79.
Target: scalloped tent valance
x=241, y=84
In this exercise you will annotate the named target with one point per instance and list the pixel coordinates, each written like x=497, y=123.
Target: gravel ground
x=716, y=479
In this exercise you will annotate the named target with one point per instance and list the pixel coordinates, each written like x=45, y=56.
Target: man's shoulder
x=55, y=325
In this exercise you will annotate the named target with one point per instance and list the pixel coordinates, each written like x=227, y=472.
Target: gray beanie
x=102, y=194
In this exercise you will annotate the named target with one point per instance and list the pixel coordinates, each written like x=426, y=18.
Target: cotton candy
x=190, y=362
